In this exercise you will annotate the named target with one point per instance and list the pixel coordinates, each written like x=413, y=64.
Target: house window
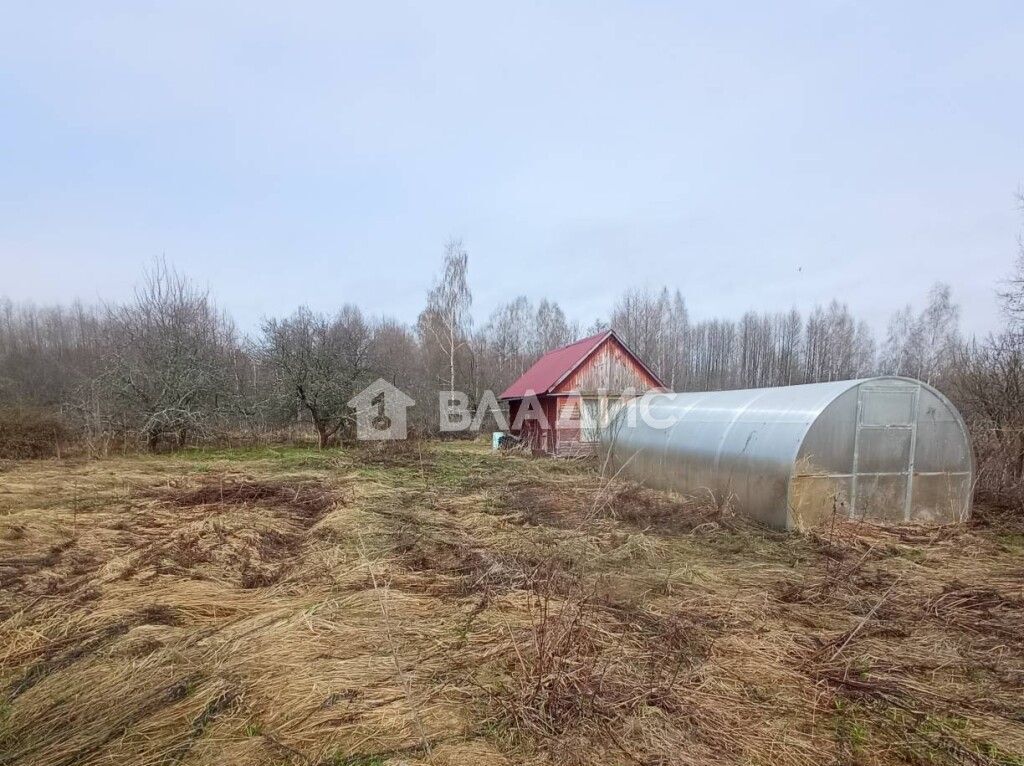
x=590, y=420
x=614, y=406
x=597, y=413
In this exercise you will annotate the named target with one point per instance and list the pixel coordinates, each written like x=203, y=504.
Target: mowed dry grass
x=439, y=604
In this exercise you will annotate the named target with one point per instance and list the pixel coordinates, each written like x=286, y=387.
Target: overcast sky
x=758, y=155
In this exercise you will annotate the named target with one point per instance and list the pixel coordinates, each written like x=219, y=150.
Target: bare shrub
x=988, y=387
x=588, y=671
x=30, y=433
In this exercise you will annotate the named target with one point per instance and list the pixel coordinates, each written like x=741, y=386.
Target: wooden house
x=559, y=405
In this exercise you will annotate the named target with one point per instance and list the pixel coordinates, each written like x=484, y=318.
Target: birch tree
x=551, y=328
x=924, y=345
x=654, y=326
x=837, y=346
x=445, y=323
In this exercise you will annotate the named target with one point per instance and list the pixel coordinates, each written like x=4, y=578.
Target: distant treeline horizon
x=169, y=366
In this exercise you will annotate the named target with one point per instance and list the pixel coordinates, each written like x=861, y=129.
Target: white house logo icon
x=381, y=411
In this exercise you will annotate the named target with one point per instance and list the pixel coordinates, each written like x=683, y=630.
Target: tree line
x=170, y=368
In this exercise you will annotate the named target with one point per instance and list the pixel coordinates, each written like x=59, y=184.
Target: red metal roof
x=551, y=368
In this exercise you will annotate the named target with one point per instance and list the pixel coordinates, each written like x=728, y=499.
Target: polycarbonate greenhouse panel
x=884, y=448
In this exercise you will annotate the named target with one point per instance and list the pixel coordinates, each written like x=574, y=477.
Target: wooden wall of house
x=542, y=437
x=611, y=370
x=568, y=442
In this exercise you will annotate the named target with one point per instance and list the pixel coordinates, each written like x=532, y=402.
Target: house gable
x=546, y=372
x=610, y=368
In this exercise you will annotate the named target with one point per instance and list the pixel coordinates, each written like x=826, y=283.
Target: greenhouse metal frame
x=882, y=448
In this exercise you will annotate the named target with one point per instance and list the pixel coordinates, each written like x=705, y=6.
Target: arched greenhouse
x=883, y=448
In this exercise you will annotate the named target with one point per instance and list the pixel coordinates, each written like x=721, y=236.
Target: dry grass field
x=440, y=604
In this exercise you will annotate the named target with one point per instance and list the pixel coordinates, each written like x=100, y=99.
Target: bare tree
x=551, y=328
x=790, y=349
x=923, y=345
x=655, y=326
x=46, y=352
x=508, y=343
x=837, y=346
x=901, y=351
x=165, y=357
x=638, y=317
x=445, y=323
x=712, y=350
x=318, y=364
x=394, y=354
x=397, y=357
x=987, y=384
x=986, y=381
x=675, y=372
x=864, y=359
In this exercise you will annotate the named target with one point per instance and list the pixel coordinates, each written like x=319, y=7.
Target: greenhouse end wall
x=882, y=448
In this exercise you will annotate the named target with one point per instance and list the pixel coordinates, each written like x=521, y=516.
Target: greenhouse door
x=883, y=451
